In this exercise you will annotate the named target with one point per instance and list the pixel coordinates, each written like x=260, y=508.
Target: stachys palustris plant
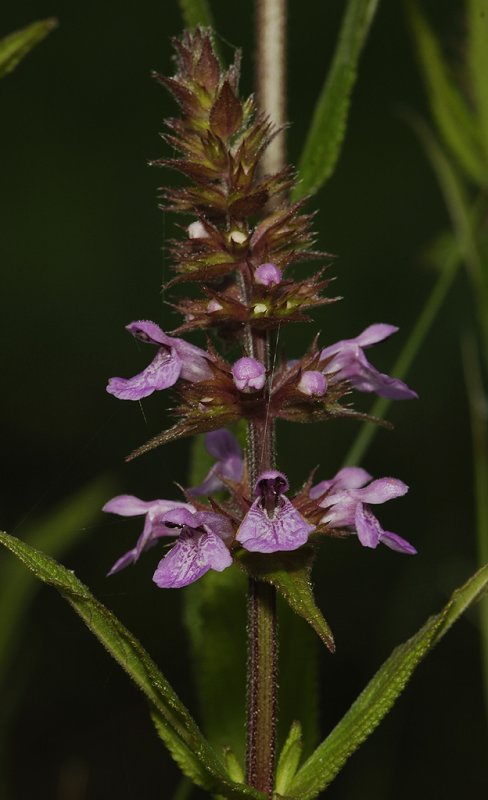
x=243, y=240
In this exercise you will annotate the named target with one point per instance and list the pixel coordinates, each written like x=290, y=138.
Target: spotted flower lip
x=126, y=505
x=175, y=359
x=199, y=548
x=347, y=498
x=224, y=447
x=346, y=361
x=249, y=374
x=273, y=523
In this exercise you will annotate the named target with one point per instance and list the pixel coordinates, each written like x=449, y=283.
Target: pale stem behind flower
x=261, y=626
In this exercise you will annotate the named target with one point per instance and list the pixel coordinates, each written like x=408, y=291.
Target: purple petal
x=232, y=469
x=341, y=509
x=182, y=516
x=221, y=444
x=149, y=332
x=366, y=378
x=249, y=374
x=191, y=557
x=346, y=478
x=374, y=334
x=126, y=505
x=382, y=490
x=368, y=528
x=395, y=542
x=124, y=561
x=194, y=361
x=287, y=530
x=312, y=383
x=163, y=371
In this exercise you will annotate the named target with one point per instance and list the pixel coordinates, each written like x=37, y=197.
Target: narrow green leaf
x=457, y=124
x=328, y=128
x=178, y=730
x=16, y=45
x=478, y=63
x=462, y=220
x=290, y=574
x=381, y=693
x=234, y=768
x=196, y=12
x=289, y=758
x=215, y=617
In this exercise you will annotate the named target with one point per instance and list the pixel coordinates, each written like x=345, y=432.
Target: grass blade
x=381, y=693
x=15, y=46
x=324, y=140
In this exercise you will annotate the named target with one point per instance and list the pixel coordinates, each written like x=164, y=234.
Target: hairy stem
x=261, y=627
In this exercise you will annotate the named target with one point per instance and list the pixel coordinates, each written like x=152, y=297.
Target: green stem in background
x=478, y=407
x=262, y=665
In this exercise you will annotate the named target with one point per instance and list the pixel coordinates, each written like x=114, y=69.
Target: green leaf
x=178, y=730
x=381, y=693
x=328, y=128
x=289, y=758
x=462, y=220
x=215, y=617
x=478, y=63
x=196, y=12
x=289, y=573
x=457, y=124
x=14, y=47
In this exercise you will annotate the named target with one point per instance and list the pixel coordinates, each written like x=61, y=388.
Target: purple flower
x=348, y=362
x=200, y=546
x=249, y=374
x=174, y=359
x=347, y=499
x=125, y=505
x=313, y=383
x=268, y=275
x=273, y=523
x=223, y=446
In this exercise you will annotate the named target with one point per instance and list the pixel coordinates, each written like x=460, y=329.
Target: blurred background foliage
x=81, y=257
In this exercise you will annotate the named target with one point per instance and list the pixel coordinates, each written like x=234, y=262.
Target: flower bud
x=249, y=374
x=213, y=305
x=197, y=230
x=313, y=383
x=268, y=275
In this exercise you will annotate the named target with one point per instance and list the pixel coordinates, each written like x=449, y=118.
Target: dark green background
x=80, y=249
